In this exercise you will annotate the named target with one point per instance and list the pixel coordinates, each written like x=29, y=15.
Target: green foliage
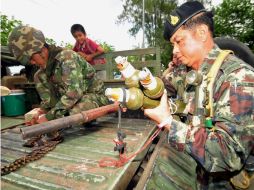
x=66, y=45
x=156, y=11
x=107, y=47
x=7, y=26
x=50, y=41
x=235, y=18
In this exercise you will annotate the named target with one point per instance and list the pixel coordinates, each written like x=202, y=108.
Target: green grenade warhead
x=132, y=98
x=154, y=87
x=128, y=71
x=150, y=103
x=24, y=41
x=135, y=98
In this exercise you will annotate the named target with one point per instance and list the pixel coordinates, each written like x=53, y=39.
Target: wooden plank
x=144, y=51
x=100, y=67
x=109, y=70
x=136, y=64
x=110, y=65
x=141, y=64
x=158, y=62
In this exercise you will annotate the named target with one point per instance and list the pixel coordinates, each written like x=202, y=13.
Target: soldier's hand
x=42, y=118
x=124, y=109
x=32, y=116
x=161, y=112
x=170, y=66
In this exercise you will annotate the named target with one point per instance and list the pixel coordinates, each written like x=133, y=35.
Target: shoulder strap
x=211, y=78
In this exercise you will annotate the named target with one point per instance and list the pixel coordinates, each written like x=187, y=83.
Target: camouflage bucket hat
x=24, y=41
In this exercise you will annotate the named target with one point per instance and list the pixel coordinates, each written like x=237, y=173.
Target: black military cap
x=180, y=15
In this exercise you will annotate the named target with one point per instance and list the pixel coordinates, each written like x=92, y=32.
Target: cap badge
x=174, y=20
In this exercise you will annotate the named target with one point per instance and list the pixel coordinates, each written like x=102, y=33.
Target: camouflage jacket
x=227, y=146
x=64, y=81
x=173, y=79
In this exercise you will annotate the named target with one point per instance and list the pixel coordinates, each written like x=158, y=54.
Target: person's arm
x=74, y=83
x=48, y=99
x=82, y=54
x=97, y=50
x=45, y=90
x=75, y=48
x=227, y=146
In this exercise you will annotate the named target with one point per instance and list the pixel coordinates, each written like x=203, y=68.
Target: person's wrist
x=165, y=122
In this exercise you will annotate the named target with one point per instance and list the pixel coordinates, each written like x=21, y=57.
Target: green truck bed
x=73, y=164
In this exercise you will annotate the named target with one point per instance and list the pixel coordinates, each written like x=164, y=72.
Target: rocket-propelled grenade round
x=133, y=98
x=154, y=86
x=129, y=73
x=144, y=89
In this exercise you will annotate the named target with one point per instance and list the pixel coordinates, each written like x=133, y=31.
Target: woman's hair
x=77, y=28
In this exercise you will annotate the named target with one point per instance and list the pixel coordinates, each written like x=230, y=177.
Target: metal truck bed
x=73, y=164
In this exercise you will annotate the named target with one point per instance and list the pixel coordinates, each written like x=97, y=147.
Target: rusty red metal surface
x=65, y=122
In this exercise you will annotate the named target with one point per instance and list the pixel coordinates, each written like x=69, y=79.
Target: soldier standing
x=222, y=142
x=65, y=82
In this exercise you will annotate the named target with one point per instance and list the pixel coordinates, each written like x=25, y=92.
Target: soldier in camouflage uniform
x=220, y=150
x=65, y=82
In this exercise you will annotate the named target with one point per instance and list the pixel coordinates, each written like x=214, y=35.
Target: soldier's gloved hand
x=42, y=118
x=161, y=112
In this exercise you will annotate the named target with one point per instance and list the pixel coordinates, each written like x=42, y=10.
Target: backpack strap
x=211, y=78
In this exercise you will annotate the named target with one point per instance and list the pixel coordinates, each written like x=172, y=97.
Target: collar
x=209, y=59
x=81, y=46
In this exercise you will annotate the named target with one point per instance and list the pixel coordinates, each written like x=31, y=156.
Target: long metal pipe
x=65, y=122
